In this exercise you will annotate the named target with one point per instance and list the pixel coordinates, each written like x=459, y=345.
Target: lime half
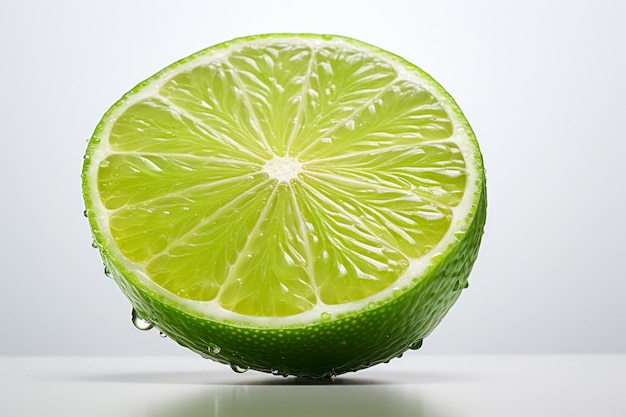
x=295, y=204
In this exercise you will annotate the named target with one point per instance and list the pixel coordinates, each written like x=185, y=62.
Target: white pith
x=284, y=170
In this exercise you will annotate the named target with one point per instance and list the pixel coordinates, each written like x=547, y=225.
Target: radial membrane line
x=180, y=192
x=206, y=220
x=303, y=101
x=414, y=192
x=339, y=244
x=251, y=236
x=225, y=139
x=371, y=152
x=305, y=240
x=337, y=125
x=189, y=156
x=366, y=184
x=248, y=104
x=355, y=219
x=388, y=225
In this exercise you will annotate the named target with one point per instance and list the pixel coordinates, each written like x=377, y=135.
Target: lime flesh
x=306, y=204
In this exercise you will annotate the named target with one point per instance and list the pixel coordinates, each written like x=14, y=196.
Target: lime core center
x=282, y=168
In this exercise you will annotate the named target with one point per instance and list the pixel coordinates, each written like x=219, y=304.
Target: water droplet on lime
x=213, y=348
x=416, y=345
x=139, y=322
x=239, y=369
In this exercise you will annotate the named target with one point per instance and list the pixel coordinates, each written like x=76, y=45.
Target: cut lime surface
x=301, y=204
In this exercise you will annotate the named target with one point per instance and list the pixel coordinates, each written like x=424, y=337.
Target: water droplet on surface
x=275, y=371
x=325, y=316
x=466, y=284
x=163, y=335
x=213, y=348
x=399, y=356
x=139, y=322
x=239, y=369
x=326, y=140
x=85, y=213
x=107, y=272
x=371, y=305
x=349, y=124
x=343, y=342
x=416, y=345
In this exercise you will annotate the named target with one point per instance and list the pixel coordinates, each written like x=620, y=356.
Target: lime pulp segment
x=275, y=178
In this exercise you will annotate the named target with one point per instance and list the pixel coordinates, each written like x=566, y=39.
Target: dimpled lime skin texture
x=332, y=348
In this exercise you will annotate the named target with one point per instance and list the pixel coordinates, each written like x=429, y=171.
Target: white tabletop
x=416, y=385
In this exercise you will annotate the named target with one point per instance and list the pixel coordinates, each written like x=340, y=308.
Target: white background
x=541, y=82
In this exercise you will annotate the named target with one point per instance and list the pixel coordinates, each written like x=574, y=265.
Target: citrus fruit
x=297, y=204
